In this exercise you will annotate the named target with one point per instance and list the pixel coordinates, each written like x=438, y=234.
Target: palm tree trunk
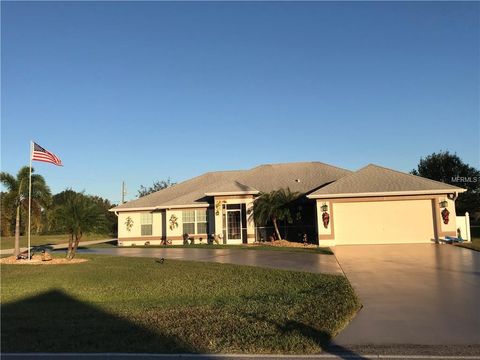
x=17, y=233
x=275, y=225
x=70, y=246
x=75, y=246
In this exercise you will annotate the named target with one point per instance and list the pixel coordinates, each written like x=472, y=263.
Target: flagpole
x=30, y=197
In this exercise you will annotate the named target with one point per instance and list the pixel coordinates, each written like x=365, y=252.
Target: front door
x=234, y=224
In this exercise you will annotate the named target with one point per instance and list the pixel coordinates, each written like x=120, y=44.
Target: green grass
x=474, y=245
x=8, y=242
x=319, y=250
x=117, y=304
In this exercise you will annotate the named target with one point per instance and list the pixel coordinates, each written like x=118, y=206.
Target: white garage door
x=383, y=222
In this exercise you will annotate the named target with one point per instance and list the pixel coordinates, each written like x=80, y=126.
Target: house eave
x=166, y=207
x=387, y=193
x=132, y=209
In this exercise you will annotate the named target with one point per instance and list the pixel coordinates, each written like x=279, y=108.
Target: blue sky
x=145, y=91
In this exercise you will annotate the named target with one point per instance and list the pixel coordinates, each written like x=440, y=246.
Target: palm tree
x=274, y=207
x=77, y=215
x=17, y=196
x=6, y=216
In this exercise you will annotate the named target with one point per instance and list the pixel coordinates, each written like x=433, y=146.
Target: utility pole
x=124, y=192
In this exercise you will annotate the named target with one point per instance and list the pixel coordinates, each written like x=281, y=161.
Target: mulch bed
x=12, y=260
x=285, y=243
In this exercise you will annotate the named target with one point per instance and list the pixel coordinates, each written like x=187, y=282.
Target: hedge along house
x=373, y=205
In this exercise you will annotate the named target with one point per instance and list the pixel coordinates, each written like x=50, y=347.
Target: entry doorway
x=234, y=224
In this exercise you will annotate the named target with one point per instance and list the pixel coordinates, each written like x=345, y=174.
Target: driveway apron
x=413, y=294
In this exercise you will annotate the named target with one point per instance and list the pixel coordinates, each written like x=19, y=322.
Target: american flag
x=40, y=154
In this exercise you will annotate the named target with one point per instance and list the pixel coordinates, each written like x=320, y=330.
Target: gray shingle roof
x=232, y=187
x=376, y=179
x=303, y=177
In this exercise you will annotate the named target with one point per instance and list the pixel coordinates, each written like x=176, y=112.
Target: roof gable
x=189, y=192
x=231, y=187
x=303, y=177
x=373, y=179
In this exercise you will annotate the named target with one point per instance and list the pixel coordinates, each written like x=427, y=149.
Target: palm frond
x=17, y=194
x=9, y=181
x=274, y=204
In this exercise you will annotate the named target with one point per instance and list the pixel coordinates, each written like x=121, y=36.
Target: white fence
x=463, y=227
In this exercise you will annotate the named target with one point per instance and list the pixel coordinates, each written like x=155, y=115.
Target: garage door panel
x=383, y=222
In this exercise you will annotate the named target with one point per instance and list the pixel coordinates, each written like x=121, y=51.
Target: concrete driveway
x=299, y=261
x=413, y=294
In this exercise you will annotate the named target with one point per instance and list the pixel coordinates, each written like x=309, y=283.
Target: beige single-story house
x=373, y=205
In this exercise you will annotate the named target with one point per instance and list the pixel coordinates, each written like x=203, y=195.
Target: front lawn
x=8, y=242
x=118, y=304
x=474, y=245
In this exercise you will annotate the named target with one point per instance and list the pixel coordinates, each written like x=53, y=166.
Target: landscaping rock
x=46, y=256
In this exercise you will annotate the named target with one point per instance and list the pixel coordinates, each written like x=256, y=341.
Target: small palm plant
x=17, y=197
x=78, y=215
x=274, y=206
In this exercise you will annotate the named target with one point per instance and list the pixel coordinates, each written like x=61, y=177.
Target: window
x=146, y=224
x=234, y=206
x=188, y=220
x=195, y=221
x=202, y=221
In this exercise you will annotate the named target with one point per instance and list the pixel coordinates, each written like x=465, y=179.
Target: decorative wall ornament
x=129, y=223
x=445, y=216
x=325, y=215
x=443, y=204
x=325, y=219
x=173, y=222
x=218, y=206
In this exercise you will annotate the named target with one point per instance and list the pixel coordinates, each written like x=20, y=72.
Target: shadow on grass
x=56, y=322
x=322, y=338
